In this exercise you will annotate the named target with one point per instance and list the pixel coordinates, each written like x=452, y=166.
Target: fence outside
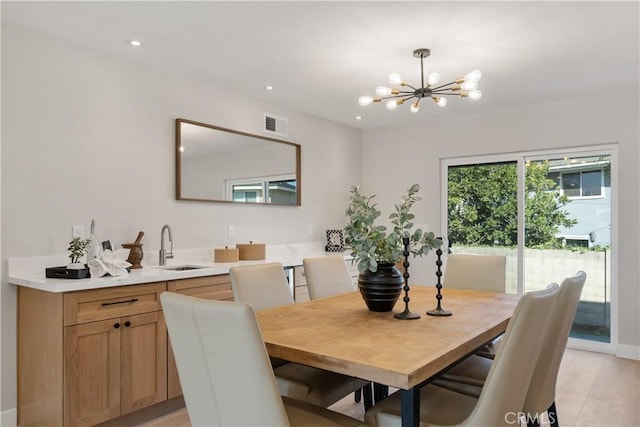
x=543, y=266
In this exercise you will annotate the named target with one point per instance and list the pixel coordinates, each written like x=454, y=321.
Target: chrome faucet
x=163, y=253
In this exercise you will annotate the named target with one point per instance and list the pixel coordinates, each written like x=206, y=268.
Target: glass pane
x=282, y=192
x=247, y=193
x=482, y=213
x=563, y=236
x=571, y=184
x=591, y=183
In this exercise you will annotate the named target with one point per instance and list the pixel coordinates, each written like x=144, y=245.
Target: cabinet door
x=143, y=361
x=91, y=372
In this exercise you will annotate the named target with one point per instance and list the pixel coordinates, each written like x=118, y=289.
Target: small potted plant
x=376, y=250
x=77, y=248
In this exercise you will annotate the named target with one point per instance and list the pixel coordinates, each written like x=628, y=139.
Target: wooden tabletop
x=340, y=334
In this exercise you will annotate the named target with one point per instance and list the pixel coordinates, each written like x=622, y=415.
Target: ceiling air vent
x=276, y=125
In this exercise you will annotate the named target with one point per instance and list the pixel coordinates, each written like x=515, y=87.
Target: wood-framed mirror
x=216, y=164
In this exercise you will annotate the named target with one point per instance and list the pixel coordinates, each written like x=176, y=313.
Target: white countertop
x=30, y=272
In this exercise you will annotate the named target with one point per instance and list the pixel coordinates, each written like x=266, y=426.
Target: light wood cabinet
x=89, y=356
x=210, y=287
x=86, y=357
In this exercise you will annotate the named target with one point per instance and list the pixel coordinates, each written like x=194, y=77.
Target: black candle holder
x=406, y=314
x=439, y=311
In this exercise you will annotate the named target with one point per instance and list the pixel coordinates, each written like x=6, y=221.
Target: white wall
x=588, y=121
x=87, y=136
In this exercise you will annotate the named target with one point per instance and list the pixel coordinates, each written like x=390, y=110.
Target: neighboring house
x=586, y=181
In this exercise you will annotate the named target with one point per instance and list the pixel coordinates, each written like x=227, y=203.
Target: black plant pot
x=381, y=290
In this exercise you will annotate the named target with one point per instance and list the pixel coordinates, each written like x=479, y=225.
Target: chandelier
x=463, y=87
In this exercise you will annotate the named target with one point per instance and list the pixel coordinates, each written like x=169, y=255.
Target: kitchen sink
x=181, y=267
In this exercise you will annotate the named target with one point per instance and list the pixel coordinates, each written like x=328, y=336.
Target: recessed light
x=268, y=87
x=358, y=117
x=135, y=43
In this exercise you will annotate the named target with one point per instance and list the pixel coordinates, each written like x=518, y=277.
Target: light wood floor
x=593, y=389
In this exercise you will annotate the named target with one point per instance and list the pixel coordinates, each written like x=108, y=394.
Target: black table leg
x=410, y=407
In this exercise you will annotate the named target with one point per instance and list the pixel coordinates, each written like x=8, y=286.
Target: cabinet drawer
x=101, y=304
x=211, y=287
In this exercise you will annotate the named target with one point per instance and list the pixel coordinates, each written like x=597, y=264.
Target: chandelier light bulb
x=469, y=85
x=391, y=105
x=395, y=79
x=442, y=102
x=383, y=91
x=415, y=107
x=475, y=94
x=473, y=76
x=433, y=78
x=365, y=100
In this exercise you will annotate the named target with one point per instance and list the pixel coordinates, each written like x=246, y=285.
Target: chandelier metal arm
x=444, y=85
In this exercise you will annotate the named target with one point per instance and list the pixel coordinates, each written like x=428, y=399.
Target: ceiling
x=321, y=56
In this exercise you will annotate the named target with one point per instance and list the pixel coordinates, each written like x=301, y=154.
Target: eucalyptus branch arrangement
x=371, y=244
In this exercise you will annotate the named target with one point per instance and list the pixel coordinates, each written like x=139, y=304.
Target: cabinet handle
x=117, y=325
x=127, y=323
x=120, y=302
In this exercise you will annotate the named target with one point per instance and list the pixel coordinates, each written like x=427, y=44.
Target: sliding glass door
x=549, y=214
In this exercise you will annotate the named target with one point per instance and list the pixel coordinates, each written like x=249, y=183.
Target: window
x=582, y=184
x=550, y=214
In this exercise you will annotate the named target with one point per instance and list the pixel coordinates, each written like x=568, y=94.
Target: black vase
x=381, y=290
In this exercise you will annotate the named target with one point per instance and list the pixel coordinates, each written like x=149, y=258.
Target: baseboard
x=9, y=418
x=628, y=351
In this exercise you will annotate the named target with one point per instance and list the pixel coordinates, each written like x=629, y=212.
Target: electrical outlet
x=232, y=231
x=77, y=231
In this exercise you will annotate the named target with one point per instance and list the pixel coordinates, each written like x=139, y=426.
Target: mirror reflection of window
x=282, y=192
x=247, y=193
x=281, y=189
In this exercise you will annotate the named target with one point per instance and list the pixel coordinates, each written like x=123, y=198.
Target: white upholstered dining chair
x=224, y=370
x=327, y=276
x=507, y=382
x=469, y=376
x=477, y=272
x=265, y=286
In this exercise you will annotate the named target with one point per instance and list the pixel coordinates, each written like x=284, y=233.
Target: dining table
x=340, y=334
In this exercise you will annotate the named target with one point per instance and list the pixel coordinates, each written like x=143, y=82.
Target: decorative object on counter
x=439, y=311
x=406, y=314
x=226, y=254
x=335, y=241
x=109, y=262
x=77, y=248
x=135, y=251
x=374, y=248
x=93, y=247
x=107, y=245
x=75, y=269
x=251, y=251
x=66, y=273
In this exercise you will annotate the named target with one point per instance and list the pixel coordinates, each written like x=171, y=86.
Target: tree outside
x=482, y=206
